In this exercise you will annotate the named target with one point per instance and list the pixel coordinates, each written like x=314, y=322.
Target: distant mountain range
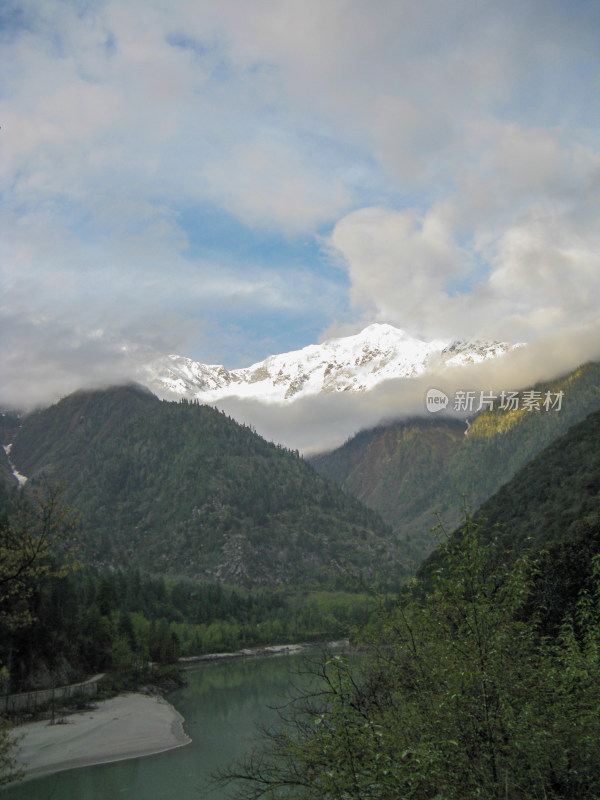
x=349, y=364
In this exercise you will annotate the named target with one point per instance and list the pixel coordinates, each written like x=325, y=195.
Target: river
x=222, y=704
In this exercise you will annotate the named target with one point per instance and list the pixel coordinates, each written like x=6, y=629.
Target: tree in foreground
x=458, y=696
x=36, y=540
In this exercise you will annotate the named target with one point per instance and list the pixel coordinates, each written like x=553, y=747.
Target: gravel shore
x=127, y=726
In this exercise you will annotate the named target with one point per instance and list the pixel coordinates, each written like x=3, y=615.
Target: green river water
x=221, y=704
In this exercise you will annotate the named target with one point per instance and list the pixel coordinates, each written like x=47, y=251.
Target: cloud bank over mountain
x=319, y=423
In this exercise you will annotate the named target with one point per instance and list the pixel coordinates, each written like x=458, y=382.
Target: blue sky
x=229, y=179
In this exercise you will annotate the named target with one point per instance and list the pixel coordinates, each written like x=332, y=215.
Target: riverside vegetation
x=60, y=620
x=30, y=540
x=460, y=695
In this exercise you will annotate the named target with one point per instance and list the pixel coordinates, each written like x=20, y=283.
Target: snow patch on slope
x=21, y=479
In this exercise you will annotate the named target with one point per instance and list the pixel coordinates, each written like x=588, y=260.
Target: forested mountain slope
x=551, y=494
x=551, y=510
x=409, y=470
x=178, y=488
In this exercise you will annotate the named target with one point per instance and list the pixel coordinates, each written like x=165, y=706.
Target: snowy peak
x=351, y=363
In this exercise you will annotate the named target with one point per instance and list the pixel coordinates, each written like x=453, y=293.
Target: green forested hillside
x=10, y=422
x=409, y=470
x=181, y=489
x=7, y=479
x=552, y=493
x=396, y=469
x=551, y=508
x=552, y=505
x=61, y=439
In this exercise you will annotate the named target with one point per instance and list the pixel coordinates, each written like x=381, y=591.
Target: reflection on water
x=222, y=704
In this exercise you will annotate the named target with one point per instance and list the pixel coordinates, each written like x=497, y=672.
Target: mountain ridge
x=409, y=470
x=181, y=489
x=355, y=363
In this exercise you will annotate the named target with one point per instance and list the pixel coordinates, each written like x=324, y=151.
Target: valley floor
x=127, y=726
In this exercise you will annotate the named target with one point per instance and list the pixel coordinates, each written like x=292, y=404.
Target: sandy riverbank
x=127, y=726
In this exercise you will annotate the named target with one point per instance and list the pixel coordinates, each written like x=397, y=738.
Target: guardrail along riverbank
x=27, y=701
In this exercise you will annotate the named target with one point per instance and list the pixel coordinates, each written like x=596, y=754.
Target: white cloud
x=511, y=251
x=273, y=185
x=398, y=262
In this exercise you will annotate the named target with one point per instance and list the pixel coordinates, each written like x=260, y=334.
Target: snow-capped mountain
x=352, y=363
